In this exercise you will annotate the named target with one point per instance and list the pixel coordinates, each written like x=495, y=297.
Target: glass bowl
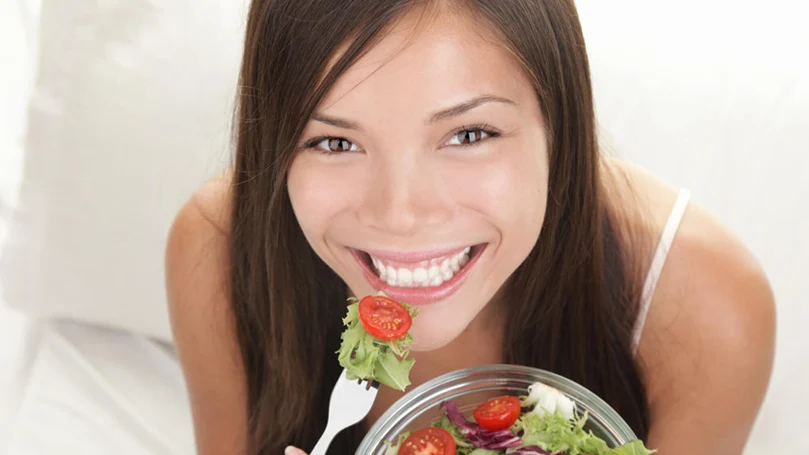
x=470, y=387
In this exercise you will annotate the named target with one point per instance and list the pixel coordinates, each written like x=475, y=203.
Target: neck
x=481, y=343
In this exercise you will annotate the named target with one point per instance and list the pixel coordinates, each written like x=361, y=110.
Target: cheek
x=311, y=193
x=510, y=190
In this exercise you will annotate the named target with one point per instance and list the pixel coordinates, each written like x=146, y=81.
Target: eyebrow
x=467, y=106
x=338, y=122
x=439, y=116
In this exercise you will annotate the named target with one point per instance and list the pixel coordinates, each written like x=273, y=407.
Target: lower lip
x=419, y=296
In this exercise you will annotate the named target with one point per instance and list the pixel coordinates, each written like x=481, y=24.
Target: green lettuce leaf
x=632, y=448
x=357, y=354
x=595, y=446
x=391, y=371
x=554, y=433
x=460, y=441
x=365, y=357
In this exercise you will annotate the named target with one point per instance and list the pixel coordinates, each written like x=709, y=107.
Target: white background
x=17, y=40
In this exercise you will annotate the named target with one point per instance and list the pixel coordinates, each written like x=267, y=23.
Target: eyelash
x=488, y=130
x=313, y=144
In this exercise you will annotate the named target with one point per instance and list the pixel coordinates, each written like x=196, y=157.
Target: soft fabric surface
x=129, y=114
x=19, y=342
x=96, y=391
x=18, y=332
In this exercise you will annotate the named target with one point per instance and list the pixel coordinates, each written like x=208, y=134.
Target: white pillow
x=130, y=113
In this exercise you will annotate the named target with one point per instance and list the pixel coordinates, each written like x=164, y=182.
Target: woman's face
x=424, y=173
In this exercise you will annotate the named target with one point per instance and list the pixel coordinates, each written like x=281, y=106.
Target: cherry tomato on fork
x=428, y=441
x=384, y=318
x=497, y=413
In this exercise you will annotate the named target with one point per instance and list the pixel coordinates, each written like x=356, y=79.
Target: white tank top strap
x=658, y=261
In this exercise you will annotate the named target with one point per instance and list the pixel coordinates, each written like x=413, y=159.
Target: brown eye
x=334, y=145
x=469, y=136
x=339, y=145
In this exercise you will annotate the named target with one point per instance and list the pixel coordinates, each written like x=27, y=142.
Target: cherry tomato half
x=428, y=441
x=384, y=318
x=497, y=413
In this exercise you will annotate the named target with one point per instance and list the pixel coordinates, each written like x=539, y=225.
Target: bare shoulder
x=212, y=200
x=198, y=238
x=707, y=347
x=197, y=274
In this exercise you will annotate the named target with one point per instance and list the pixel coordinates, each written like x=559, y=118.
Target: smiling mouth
x=428, y=273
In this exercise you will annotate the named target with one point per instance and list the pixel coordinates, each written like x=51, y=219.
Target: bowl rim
x=423, y=394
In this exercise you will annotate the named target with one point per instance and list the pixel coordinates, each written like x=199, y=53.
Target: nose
x=403, y=198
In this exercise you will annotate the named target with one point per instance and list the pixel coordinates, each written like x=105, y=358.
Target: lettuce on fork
x=366, y=357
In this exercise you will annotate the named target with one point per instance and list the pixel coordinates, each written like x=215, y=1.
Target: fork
x=350, y=402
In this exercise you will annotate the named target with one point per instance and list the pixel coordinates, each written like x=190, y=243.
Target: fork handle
x=323, y=443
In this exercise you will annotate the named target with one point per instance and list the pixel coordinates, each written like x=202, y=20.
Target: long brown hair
x=573, y=301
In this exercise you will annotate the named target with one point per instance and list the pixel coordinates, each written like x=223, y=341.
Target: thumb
x=293, y=451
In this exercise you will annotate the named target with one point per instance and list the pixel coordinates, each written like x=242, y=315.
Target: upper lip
x=414, y=256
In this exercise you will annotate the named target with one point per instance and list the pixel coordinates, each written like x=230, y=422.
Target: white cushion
x=130, y=114
x=95, y=391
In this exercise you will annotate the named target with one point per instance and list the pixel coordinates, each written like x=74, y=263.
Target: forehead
x=426, y=61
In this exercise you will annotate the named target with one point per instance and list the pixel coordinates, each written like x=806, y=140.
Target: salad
x=544, y=422
x=376, y=341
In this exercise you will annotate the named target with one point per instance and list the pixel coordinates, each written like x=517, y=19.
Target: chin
x=423, y=344
x=432, y=333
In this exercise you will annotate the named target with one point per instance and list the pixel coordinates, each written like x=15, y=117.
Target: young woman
x=387, y=133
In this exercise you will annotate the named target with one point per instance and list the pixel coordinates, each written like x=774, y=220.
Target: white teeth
x=445, y=266
x=405, y=277
x=429, y=273
x=420, y=275
x=455, y=263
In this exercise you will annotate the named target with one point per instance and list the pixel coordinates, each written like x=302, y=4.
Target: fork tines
x=374, y=384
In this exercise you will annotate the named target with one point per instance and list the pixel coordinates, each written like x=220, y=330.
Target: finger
x=293, y=451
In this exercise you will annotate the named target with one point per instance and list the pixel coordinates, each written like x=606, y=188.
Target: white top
x=658, y=261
